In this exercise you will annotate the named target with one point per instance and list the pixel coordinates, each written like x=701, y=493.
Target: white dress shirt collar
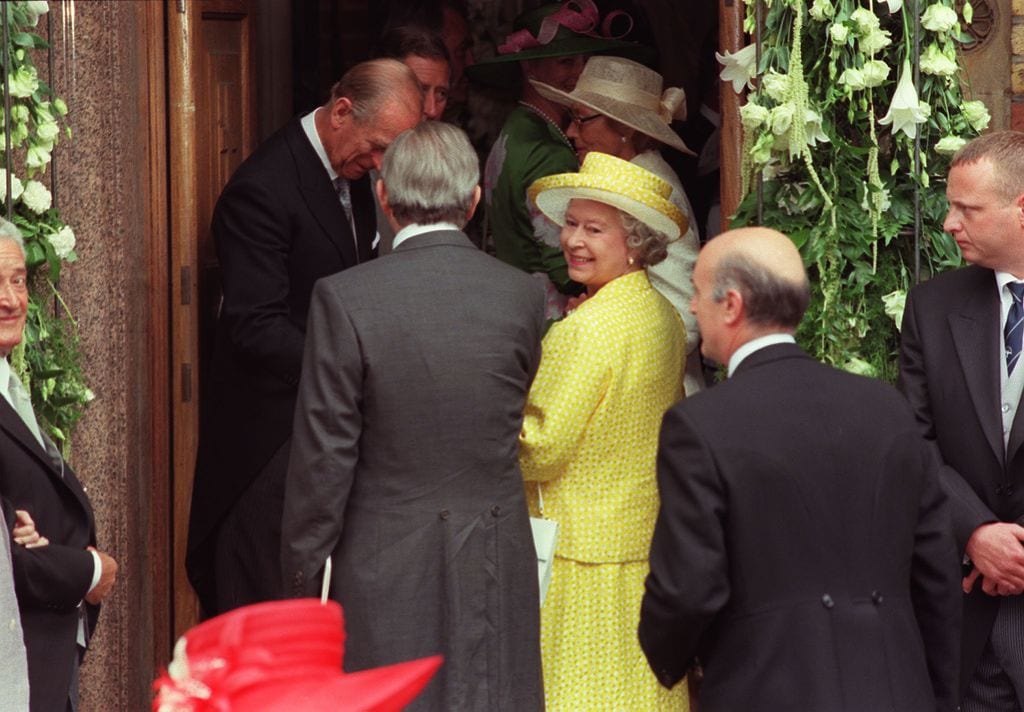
x=309, y=127
x=756, y=345
x=413, y=230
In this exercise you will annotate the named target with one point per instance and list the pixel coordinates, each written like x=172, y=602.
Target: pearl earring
x=630, y=261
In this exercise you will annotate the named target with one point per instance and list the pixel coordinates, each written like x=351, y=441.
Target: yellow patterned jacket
x=608, y=372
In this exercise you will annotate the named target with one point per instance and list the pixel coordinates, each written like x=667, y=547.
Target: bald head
x=748, y=282
x=765, y=267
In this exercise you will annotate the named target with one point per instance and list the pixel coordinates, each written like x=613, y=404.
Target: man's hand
x=997, y=553
x=24, y=532
x=108, y=573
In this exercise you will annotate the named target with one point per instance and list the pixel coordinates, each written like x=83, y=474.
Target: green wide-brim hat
x=571, y=29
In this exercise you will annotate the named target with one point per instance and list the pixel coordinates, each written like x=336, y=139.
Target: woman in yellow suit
x=607, y=374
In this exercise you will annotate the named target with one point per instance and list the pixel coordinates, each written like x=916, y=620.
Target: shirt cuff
x=97, y=570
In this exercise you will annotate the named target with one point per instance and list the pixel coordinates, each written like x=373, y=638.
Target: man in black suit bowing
x=802, y=552
x=960, y=370
x=59, y=586
x=300, y=208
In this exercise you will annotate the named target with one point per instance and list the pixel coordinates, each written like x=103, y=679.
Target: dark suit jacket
x=404, y=468
x=803, y=549
x=949, y=371
x=278, y=227
x=49, y=581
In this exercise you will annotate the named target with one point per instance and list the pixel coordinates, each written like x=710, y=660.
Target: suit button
x=827, y=601
x=444, y=514
x=496, y=510
x=876, y=597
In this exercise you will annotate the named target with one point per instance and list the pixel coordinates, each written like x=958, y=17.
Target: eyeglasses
x=580, y=120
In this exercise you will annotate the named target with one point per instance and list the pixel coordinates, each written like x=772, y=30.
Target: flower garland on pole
x=851, y=155
x=48, y=360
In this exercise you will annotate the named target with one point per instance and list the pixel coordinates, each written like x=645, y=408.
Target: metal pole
x=759, y=30
x=8, y=149
x=917, y=149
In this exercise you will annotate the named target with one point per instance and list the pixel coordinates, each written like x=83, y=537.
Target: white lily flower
x=939, y=18
x=738, y=67
x=813, y=129
x=906, y=111
x=894, y=5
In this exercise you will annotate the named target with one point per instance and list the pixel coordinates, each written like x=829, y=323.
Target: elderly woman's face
x=594, y=244
x=591, y=131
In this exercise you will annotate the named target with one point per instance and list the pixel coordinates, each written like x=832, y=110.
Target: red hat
x=280, y=656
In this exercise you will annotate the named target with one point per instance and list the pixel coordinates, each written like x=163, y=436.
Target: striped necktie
x=1014, y=325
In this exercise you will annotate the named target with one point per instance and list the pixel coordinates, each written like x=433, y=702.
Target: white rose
x=949, y=145
x=822, y=10
x=875, y=40
x=852, y=78
x=753, y=115
x=35, y=8
x=63, y=241
x=934, y=61
x=875, y=72
x=839, y=33
x=48, y=131
x=16, y=186
x=24, y=81
x=782, y=119
x=36, y=197
x=939, y=18
x=865, y=20
x=775, y=85
x=37, y=156
x=976, y=114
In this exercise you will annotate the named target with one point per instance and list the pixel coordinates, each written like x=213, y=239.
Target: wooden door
x=211, y=80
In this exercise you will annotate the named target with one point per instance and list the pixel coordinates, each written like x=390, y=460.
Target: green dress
x=529, y=147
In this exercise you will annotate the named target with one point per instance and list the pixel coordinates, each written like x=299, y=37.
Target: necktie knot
x=1016, y=291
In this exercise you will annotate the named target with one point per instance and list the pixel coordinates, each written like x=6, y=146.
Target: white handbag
x=545, y=538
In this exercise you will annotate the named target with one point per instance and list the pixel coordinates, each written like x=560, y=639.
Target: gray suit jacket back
x=404, y=467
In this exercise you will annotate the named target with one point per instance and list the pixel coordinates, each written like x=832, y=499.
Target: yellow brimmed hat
x=615, y=182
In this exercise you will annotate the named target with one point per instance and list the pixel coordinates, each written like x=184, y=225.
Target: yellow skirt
x=592, y=658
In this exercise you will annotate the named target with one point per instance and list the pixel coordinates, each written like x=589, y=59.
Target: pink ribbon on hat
x=579, y=16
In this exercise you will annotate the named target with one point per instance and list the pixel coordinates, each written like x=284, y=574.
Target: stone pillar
x=101, y=181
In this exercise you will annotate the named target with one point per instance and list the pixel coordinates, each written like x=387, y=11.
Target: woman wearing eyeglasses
x=618, y=107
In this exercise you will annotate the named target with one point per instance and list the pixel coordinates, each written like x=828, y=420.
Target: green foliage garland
x=830, y=126
x=48, y=359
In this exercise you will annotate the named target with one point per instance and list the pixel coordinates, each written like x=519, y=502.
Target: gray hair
x=650, y=245
x=430, y=173
x=1005, y=150
x=10, y=231
x=769, y=300
x=371, y=85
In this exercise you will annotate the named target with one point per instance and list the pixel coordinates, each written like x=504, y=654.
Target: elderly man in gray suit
x=404, y=464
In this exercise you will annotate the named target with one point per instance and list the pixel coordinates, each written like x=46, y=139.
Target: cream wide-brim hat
x=628, y=92
x=613, y=181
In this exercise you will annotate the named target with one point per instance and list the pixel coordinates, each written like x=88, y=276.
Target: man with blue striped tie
x=960, y=370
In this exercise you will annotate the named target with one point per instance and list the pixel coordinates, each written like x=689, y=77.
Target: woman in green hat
x=549, y=44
